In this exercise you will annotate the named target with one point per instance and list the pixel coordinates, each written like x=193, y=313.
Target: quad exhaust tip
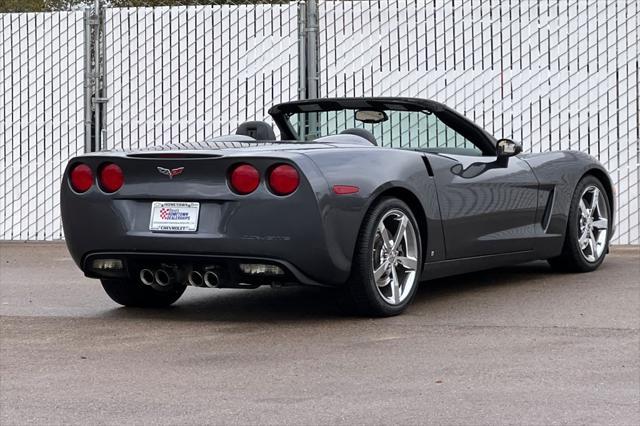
x=211, y=279
x=147, y=277
x=195, y=279
x=162, y=278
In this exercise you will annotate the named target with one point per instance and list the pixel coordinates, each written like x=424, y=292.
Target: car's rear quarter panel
x=376, y=172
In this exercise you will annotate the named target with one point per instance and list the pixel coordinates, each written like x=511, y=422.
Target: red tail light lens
x=111, y=177
x=244, y=179
x=81, y=178
x=283, y=179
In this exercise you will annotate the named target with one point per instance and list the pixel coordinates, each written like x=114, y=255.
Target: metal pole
x=96, y=74
x=88, y=81
x=312, y=47
x=302, y=64
x=312, y=68
x=103, y=76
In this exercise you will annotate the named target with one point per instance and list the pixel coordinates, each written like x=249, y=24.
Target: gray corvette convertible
x=367, y=195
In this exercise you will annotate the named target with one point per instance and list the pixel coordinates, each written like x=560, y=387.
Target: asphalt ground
x=518, y=345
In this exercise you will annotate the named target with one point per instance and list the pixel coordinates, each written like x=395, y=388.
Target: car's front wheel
x=588, y=229
x=135, y=294
x=388, y=260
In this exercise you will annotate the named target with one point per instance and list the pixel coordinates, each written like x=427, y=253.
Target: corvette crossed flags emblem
x=170, y=172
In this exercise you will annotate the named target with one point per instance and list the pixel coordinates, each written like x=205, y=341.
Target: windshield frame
x=281, y=114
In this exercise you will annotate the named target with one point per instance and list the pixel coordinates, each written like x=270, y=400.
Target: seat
x=259, y=130
x=363, y=133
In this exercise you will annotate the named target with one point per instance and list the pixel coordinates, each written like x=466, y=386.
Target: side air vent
x=427, y=165
x=547, y=209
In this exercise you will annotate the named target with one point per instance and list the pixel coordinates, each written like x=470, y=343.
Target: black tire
x=362, y=292
x=135, y=294
x=572, y=259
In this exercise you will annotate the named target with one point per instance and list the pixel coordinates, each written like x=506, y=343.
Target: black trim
x=450, y=267
x=338, y=104
x=427, y=164
x=468, y=129
x=547, y=209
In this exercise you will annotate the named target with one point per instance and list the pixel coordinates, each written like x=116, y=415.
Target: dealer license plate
x=169, y=216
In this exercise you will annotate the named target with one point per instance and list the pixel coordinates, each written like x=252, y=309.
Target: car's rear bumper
x=284, y=233
x=227, y=267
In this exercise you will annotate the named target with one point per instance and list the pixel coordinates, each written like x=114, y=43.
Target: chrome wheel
x=395, y=257
x=593, y=224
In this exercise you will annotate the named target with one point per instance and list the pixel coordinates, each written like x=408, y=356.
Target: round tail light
x=111, y=177
x=283, y=179
x=81, y=178
x=244, y=179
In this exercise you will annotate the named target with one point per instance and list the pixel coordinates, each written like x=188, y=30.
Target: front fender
x=561, y=171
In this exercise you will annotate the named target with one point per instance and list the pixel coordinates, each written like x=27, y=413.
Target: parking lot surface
x=514, y=345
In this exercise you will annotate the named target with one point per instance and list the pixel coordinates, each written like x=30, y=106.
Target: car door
x=487, y=206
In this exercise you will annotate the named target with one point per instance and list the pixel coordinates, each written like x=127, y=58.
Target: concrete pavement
x=515, y=345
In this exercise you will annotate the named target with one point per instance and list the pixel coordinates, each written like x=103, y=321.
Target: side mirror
x=506, y=148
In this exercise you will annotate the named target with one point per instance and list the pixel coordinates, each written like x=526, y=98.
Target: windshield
x=400, y=129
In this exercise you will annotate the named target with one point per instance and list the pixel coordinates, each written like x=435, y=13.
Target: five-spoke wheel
x=394, y=256
x=388, y=260
x=593, y=224
x=588, y=228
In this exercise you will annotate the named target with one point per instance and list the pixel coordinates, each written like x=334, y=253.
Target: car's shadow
x=305, y=303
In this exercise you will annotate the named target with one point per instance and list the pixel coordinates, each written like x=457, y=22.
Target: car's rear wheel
x=588, y=228
x=388, y=260
x=135, y=294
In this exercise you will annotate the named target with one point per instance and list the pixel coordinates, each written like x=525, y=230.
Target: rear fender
x=376, y=172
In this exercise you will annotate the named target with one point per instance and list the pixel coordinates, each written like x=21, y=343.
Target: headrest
x=259, y=130
x=363, y=133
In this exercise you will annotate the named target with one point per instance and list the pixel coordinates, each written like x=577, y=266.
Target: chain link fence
x=41, y=118
x=552, y=74
x=186, y=74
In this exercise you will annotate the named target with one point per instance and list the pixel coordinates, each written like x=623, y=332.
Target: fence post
x=94, y=77
x=302, y=46
x=88, y=82
x=309, y=85
x=311, y=51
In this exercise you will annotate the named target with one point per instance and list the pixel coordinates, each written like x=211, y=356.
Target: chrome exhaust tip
x=195, y=279
x=211, y=279
x=162, y=278
x=146, y=276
